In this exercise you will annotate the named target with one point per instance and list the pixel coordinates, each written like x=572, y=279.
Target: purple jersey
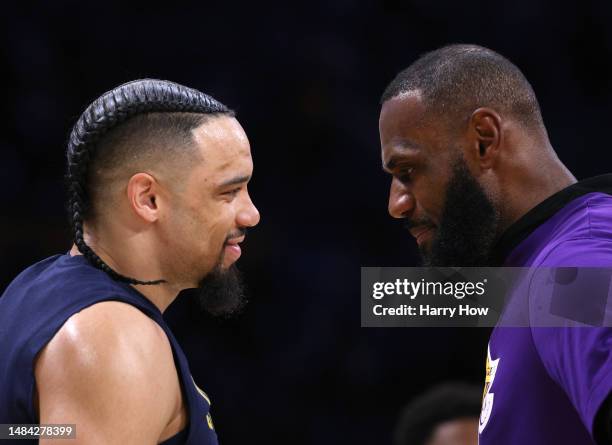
x=546, y=385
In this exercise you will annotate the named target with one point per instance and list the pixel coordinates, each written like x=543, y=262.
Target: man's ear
x=142, y=190
x=485, y=132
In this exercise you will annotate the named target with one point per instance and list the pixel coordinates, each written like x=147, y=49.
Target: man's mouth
x=422, y=233
x=232, y=250
x=236, y=240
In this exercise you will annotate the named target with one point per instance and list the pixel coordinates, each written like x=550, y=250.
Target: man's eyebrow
x=406, y=144
x=394, y=160
x=235, y=181
x=405, y=148
x=392, y=163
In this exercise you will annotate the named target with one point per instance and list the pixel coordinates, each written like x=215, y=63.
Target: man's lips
x=235, y=241
x=232, y=249
x=421, y=232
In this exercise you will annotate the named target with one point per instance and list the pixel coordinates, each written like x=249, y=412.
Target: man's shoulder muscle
x=110, y=370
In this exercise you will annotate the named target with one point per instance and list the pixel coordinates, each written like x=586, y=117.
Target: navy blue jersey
x=36, y=305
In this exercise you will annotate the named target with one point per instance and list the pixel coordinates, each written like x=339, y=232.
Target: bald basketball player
x=157, y=176
x=478, y=183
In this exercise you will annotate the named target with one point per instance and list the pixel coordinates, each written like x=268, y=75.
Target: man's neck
x=532, y=188
x=135, y=265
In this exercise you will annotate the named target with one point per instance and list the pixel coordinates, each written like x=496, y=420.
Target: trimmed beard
x=468, y=226
x=221, y=292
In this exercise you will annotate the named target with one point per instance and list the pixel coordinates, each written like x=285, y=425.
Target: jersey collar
x=538, y=215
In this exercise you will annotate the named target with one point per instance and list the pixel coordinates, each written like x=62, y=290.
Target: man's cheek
x=434, y=208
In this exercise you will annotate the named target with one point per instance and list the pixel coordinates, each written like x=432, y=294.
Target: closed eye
x=232, y=193
x=237, y=183
x=405, y=174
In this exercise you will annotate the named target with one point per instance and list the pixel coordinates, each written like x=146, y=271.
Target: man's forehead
x=221, y=140
x=221, y=135
x=404, y=128
x=400, y=114
x=224, y=151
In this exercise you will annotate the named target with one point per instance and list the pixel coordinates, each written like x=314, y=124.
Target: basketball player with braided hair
x=158, y=203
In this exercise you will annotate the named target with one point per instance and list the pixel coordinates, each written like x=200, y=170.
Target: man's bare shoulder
x=111, y=366
x=109, y=332
x=111, y=321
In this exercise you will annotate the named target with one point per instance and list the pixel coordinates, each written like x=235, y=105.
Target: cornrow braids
x=106, y=113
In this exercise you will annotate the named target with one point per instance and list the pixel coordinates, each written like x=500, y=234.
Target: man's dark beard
x=221, y=292
x=468, y=225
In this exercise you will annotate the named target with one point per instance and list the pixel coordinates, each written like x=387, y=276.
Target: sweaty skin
x=110, y=371
x=110, y=368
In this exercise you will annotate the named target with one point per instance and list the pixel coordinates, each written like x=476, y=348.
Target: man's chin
x=426, y=257
x=226, y=265
x=221, y=292
x=426, y=251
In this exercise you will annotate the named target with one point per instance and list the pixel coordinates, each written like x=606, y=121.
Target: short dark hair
x=141, y=141
x=450, y=401
x=131, y=120
x=457, y=79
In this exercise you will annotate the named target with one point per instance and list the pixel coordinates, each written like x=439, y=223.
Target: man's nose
x=401, y=201
x=248, y=216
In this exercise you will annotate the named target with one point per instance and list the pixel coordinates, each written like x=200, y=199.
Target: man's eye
x=405, y=174
x=232, y=192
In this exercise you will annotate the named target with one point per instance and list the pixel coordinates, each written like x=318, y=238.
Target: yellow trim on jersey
x=202, y=393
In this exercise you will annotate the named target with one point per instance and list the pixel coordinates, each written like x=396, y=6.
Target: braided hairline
x=90, y=128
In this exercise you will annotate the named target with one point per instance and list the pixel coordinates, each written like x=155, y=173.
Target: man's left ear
x=485, y=134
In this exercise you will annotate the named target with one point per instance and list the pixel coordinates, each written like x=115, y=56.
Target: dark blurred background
x=305, y=79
